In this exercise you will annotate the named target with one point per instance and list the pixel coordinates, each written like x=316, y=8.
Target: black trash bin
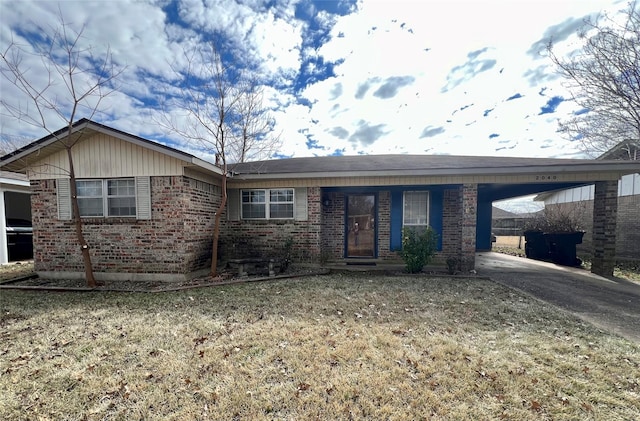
x=562, y=247
x=535, y=246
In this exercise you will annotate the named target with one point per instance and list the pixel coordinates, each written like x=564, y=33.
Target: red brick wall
x=452, y=223
x=628, y=228
x=459, y=216
x=332, y=237
x=384, y=227
x=605, y=210
x=177, y=238
x=267, y=238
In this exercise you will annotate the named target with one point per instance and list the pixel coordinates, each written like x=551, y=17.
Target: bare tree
x=11, y=143
x=75, y=82
x=253, y=124
x=604, y=79
x=219, y=109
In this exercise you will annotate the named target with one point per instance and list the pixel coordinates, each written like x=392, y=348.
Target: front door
x=361, y=225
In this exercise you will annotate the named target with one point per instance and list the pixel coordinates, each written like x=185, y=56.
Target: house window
x=416, y=209
x=115, y=197
x=267, y=204
x=121, y=197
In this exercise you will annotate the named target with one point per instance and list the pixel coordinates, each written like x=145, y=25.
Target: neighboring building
x=505, y=223
x=15, y=209
x=148, y=209
x=580, y=201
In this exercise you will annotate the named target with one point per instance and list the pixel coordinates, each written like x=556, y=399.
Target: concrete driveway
x=610, y=304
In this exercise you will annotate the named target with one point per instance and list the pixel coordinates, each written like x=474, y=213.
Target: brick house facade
x=322, y=237
x=339, y=209
x=174, y=242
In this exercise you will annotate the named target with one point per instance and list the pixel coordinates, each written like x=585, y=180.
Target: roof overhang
x=609, y=170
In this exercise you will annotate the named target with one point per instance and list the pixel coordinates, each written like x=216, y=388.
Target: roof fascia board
x=48, y=140
x=206, y=165
x=14, y=182
x=35, y=147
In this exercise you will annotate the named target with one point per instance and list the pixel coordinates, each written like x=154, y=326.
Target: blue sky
x=344, y=77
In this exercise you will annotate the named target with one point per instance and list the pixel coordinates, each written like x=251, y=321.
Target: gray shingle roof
x=424, y=164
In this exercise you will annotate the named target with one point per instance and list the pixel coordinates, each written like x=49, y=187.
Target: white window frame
x=105, y=197
x=404, y=208
x=267, y=203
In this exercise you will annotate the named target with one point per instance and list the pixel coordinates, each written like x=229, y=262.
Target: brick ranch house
x=148, y=209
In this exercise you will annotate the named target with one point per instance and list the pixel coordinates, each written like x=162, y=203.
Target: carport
x=541, y=178
x=15, y=203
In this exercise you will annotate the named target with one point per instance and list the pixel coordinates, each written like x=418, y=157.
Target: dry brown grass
x=15, y=270
x=342, y=346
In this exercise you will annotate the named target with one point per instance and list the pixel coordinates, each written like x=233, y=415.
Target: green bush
x=418, y=247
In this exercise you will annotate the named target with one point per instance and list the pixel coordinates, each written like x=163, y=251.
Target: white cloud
x=392, y=62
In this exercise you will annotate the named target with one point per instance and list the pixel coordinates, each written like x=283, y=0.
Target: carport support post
x=4, y=250
x=469, y=219
x=605, y=212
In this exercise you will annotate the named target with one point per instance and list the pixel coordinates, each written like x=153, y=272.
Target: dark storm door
x=361, y=225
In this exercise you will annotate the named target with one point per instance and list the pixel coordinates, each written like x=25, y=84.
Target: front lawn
x=339, y=346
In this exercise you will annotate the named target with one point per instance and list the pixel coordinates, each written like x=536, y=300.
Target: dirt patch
x=14, y=270
x=509, y=241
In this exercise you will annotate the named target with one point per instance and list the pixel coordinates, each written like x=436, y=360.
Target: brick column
x=605, y=210
x=469, y=218
x=452, y=223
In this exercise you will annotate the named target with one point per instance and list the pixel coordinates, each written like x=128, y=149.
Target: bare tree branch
x=604, y=79
x=220, y=110
x=87, y=80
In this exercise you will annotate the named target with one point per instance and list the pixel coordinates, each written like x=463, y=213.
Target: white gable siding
x=103, y=156
x=629, y=185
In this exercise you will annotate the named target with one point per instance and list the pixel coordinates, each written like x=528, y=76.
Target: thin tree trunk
x=216, y=228
x=77, y=221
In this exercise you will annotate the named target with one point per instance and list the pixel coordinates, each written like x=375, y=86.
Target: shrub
x=418, y=247
x=453, y=264
x=564, y=217
x=286, y=255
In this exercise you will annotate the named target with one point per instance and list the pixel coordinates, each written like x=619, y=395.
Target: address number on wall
x=546, y=177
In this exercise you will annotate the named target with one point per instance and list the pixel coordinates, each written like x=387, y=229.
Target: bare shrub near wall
x=561, y=217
